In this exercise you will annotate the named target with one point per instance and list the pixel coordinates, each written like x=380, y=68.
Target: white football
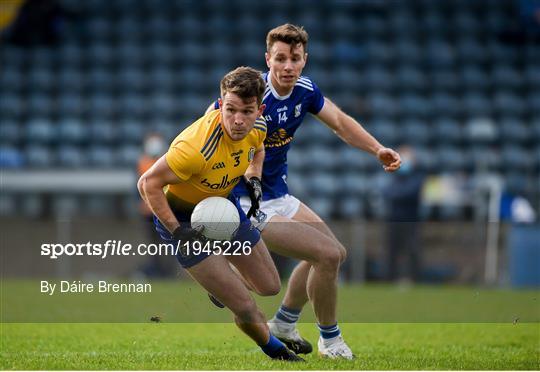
x=219, y=217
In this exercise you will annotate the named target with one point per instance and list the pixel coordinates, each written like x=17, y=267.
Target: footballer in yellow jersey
x=208, y=159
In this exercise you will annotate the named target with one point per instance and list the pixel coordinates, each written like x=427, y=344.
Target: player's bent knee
x=270, y=289
x=342, y=252
x=330, y=258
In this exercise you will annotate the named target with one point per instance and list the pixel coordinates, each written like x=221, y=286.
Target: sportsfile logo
x=225, y=182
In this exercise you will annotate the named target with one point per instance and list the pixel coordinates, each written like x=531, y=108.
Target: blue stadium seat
x=322, y=185
x=517, y=158
x=133, y=104
x=447, y=131
x=320, y=158
x=533, y=102
x=346, y=52
x=102, y=132
x=407, y=51
x=131, y=80
x=322, y=206
x=411, y=78
x=508, y=103
x=507, y=77
x=9, y=206
x=444, y=80
x=481, y=130
x=385, y=131
x=382, y=105
x=160, y=79
x=127, y=156
x=483, y=158
x=71, y=54
x=416, y=132
x=353, y=183
x=349, y=207
x=10, y=132
x=70, y=156
x=375, y=79
x=413, y=105
x=72, y=131
x=100, y=54
x=378, y=52
x=451, y=158
x=10, y=157
x=130, y=54
x=475, y=78
x=130, y=131
x=466, y=23
x=12, y=79
x=41, y=80
x=11, y=106
x=471, y=51
x=444, y=104
x=40, y=131
x=39, y=156
x=192, y=80
x=440, y=54
x=40, y=105
x=515, y=131
x=164, y=53
x=65, y=205
x=532, y=77
x=100, y=156
x=70, y=105
x=476, y=104
x=102, y=105
x=70, y=79
x=99, y=28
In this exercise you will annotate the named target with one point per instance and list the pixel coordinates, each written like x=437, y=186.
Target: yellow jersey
x=208, y=161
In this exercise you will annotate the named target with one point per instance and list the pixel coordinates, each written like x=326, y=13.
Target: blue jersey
x=283, y=115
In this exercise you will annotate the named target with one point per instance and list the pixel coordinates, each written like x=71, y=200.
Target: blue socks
x=273, y=347
x=287, y=315
x=329, y=331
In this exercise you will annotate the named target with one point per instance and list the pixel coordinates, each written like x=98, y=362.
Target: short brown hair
x=245, y=82
x=288, y=34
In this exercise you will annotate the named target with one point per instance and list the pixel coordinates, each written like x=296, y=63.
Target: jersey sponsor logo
x=281, y=109
x=297, y=110
x=251, y=154
x=219, y=165
x=240, y=152
x=225, y=182
x=278, y=138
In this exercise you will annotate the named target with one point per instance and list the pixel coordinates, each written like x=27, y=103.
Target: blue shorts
x=246, y=233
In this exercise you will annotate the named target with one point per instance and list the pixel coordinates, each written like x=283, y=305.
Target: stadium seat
x=447, y=131
x=349, y=207
x=476, y=104
x=71, y=131
x=127, y=156
x=11, y=106
x=444, y=104
x=101, y=132
x=320, y=158
x=516, y=158
x=411, y=78
x=444, y=80
x=385, y=131
x=322, y=206
x=482, y=158
x=10, y=157
x=507, y=103
x=451, y=158
x=375, y=79
x=416, y=132
x=39, y=156
x=382, y=105
x=100, y=156
x=514, y=131
x=40, y=131
x=70, y=156
x=475, y=78
x=482, y=130
x=40, y=105
x=10, y=132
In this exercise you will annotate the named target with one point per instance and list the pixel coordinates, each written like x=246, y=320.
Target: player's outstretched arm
x=151, y=186
x=351, y=132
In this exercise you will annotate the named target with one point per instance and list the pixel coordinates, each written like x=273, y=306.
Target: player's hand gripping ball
x=218, y=217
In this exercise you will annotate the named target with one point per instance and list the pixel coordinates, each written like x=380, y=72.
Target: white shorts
x=285, y=206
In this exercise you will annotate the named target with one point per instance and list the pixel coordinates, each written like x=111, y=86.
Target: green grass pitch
x=508, y=339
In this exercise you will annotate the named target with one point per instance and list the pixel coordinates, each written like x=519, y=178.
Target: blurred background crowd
x=91, y=90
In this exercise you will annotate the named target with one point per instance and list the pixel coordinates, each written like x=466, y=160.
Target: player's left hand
x=254, y=187
x=390, y=159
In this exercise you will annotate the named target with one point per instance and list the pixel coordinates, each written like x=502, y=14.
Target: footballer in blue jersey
x=287, y=225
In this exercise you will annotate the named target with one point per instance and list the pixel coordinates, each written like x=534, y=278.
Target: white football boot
x=335, y=348
x=289, y=335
